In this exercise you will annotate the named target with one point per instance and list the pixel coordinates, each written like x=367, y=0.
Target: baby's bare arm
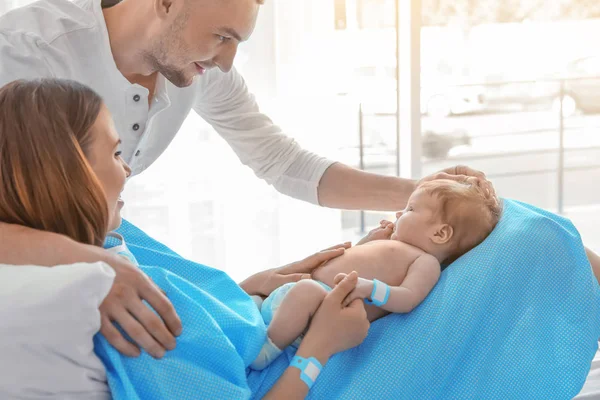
x=420, y=279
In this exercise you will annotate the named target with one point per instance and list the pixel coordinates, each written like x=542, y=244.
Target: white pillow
x=48, y=318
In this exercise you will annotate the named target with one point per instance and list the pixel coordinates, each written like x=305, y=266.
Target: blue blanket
x=516, y=318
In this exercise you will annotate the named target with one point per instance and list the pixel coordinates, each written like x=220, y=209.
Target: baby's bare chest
x=386, y=261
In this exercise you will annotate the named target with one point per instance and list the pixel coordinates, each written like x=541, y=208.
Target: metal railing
x=561, y=129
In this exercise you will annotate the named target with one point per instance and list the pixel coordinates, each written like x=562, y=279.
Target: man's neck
x=126, y=42
x=149, y=82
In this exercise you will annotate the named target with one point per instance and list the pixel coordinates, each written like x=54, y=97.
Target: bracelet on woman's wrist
x=310, y=368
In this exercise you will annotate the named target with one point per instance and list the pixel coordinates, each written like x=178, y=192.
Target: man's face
x=202, y=34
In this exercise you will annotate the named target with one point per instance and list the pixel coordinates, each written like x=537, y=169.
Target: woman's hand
x=263, y=283
x=334, y=327
x=362, y=290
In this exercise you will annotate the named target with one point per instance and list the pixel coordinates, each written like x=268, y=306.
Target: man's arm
x=279, y=160
x=349, y=188
x=352, y=189
x=225, y=102
x=25, y=246
x=20, y=245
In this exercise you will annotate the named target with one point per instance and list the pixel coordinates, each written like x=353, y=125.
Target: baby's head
x=446, y=218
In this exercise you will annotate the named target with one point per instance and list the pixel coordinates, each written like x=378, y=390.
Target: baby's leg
x=290, y=319
x=293, y=315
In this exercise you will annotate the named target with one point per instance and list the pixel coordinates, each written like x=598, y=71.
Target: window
x=501, y=113
x=376, y=14
x=589, y=66
x=310, y=76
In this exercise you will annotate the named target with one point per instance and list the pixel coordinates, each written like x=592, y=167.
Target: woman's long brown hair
x=46, y=181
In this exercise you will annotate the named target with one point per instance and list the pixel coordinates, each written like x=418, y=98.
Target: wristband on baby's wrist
x=310, y=368
x=380, y=293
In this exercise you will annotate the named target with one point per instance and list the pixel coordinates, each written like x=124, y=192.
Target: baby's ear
x=442, y=234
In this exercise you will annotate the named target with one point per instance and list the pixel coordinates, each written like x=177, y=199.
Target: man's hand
x=460, y=173
x=124, y=306
x=382, y=232
x=263, y=283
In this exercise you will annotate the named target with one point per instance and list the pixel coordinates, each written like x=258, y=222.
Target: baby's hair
x=468, y=208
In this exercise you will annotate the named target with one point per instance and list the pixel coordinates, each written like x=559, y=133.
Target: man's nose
x=225, y=59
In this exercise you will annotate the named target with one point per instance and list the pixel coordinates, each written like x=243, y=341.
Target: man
x=153, y=61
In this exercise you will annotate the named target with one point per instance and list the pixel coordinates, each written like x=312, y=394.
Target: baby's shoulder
x=396, y=248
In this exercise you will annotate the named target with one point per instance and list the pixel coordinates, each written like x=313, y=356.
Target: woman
x=61, y=171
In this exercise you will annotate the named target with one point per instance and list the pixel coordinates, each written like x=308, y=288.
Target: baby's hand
x=382, y=232
x=363, y=289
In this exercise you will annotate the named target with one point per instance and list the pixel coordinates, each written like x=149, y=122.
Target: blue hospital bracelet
x=309, y=368
x=380, y=293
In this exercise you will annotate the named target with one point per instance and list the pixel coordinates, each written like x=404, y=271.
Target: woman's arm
x=333, y=329
x=290, y=386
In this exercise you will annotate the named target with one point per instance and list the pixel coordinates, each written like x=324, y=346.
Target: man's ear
x=442, y=234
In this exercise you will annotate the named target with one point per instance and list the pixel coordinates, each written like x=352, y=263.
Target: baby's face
x=414, y=223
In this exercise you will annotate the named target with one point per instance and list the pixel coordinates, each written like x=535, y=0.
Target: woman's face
x=111, y=170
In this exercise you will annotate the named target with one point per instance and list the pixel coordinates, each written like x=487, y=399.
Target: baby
x=398, y=264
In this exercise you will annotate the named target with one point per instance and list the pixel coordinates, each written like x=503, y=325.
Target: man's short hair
x=110, y=3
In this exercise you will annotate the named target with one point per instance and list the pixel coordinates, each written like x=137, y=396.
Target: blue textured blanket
x=516, y=318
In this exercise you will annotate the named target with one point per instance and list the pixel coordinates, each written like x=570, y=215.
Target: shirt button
x=136, y=127
x=136, y=97
x=137, y=153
